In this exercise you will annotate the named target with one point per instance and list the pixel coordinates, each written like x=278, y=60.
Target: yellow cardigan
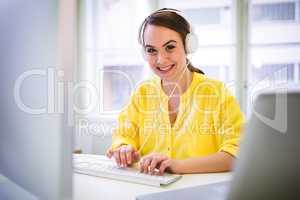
x=209, y=120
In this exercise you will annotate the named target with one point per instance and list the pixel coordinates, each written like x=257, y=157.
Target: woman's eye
x=150, y=50
x=170, y=47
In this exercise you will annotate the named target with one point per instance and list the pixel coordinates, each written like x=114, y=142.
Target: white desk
x=95, y=188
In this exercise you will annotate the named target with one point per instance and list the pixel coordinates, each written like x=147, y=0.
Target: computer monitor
x=36, y=140
x=268, y=165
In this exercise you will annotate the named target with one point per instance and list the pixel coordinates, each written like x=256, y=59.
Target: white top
x=95, y=188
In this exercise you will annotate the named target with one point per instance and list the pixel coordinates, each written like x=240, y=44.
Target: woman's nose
x=161, y=58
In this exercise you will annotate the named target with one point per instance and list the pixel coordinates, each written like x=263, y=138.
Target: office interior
x=92, y=59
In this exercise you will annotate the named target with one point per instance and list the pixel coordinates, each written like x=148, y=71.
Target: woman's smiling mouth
x=165, y=69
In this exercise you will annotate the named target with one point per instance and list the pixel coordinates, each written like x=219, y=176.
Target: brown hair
x=168, y=18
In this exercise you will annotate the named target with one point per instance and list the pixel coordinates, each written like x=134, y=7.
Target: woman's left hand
x=157, y=164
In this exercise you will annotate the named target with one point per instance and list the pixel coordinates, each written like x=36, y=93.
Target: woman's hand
x=157, y=164
x=125, y=155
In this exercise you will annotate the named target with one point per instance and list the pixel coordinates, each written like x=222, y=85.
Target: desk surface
x=94, y=188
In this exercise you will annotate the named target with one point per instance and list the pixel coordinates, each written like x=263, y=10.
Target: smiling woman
x=178, y=121
x=165, y=53
x=182, y=30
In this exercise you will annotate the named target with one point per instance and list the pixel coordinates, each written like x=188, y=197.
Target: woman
x=180, y=121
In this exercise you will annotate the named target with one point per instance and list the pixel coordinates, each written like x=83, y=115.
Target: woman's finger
x=164, y=165
x=155, y=163
x=145, y=164
x=129, y=155
x=116, y=155
x=123, y=160
x=109, y=153
x=136, y=156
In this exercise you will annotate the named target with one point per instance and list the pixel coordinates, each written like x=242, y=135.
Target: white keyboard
x=101, y=166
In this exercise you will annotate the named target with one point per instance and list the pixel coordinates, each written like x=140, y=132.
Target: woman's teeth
x=166, y=68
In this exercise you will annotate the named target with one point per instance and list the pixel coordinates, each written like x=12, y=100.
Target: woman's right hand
x=125, y=155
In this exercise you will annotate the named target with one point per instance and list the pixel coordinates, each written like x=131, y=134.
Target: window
x=284, y=11
x=204, y=16
x=274, y=47
x=118, y=84
x=282, y=72
x=110, y=53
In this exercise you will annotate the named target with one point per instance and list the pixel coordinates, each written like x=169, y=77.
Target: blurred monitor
x=268, y=165
x=35, y=141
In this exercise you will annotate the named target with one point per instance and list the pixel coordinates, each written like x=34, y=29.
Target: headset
x=191, y=39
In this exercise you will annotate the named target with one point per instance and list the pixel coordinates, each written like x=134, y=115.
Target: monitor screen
x=36, y=141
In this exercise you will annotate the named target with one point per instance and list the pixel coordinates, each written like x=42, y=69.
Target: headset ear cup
x=143, y=53
x=191, y=43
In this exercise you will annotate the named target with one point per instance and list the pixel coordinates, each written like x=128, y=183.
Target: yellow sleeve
x=230, y=123
x=127, y=129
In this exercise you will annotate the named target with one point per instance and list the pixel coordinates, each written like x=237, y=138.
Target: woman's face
x=164, y=51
